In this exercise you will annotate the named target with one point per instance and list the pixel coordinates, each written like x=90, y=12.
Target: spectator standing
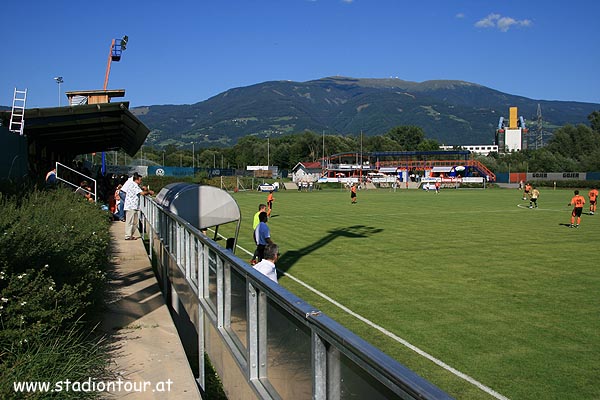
x=577, y=202
x=133, y=191
x=256, y=221
x=262, y=236
x=121, y=208
x=267, y=265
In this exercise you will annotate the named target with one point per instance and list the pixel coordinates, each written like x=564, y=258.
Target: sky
x=184, y=52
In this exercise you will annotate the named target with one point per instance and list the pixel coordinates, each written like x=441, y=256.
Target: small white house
x=307, y=172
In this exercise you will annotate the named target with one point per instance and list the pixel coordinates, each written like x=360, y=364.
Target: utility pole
x=323, y=152
x=193, y=155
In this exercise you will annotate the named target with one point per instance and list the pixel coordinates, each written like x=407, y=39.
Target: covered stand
x=201, y=206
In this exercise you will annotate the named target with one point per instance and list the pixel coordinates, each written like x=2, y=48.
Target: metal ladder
x=17, y=116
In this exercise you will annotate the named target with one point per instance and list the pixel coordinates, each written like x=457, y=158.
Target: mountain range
x=450, y=111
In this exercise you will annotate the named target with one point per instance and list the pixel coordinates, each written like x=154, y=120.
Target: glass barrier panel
x=212, y=278
x=194, y=260
x=238, y=303
x=356, y=383
x=289, y=369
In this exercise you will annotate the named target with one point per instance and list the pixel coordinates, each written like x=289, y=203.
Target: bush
x=567, y=184
x=53, y=356
x=54, y=253
x=58, y=240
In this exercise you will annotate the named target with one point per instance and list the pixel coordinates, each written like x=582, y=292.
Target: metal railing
x=61, y=177
x=263, y=341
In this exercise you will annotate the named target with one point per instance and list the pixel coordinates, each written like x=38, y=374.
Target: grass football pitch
x=508, y=295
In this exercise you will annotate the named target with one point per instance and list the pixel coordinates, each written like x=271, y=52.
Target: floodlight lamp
x=59, y=79
x=124, y=42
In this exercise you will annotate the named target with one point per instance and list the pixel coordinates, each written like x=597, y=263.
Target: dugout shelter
x=202, y=207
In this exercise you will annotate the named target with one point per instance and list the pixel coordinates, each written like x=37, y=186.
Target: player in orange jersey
x=270, y=200
x=593, y=195
x=527, y=191
x=577, y=202
x=353, y=193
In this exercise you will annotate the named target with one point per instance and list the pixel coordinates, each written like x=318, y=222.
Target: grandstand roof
x=84, y=128
x=419, y=153
x=442, y=169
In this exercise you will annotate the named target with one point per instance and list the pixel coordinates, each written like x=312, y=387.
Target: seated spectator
x=85, y=190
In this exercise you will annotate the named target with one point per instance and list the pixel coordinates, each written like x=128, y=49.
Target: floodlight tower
x=59, y=80
x=114, y=54
x=539, y=142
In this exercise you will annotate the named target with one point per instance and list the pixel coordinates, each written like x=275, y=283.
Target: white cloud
x=347, y=1
x=460, y=15
x=500, y=22
x=488, y=22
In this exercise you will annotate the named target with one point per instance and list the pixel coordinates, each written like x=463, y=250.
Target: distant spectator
x=133, y=191
x=85, y=190
x=118, y=211
x=122, y=196
x=51, y=178
x=262, y=236
x=256, y=221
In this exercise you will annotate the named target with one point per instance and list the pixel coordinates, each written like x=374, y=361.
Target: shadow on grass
x=289, y=258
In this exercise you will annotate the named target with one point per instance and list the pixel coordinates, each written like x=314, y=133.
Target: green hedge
x=54, y=256
x=567, y=184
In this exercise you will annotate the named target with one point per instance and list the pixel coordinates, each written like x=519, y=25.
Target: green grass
x=505, y=294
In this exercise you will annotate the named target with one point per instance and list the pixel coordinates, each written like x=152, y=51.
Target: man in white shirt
x=132, y=203
x=267, y=265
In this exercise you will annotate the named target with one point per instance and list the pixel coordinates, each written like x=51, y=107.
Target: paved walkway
x=146, y=344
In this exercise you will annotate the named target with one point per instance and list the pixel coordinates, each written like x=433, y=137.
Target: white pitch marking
x=539, y=209
x=417, y=350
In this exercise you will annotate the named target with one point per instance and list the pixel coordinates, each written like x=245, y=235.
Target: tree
x=308, y=147
x=380, y=143
x=408, y=137
x=574, y=141
x=594, y=119
x=247, y=151
x=428, y=145
x=208, y=158
x=543, y=160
